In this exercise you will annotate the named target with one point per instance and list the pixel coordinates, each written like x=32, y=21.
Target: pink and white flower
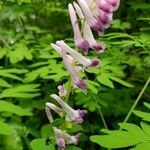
x=49, y=107
x=71, y=67
x=62, y=91
x=72, y=115
x=80, y=42
x=63, y=138
x=91, y=20
x=114, y=3
x=98, y=13
x=80, y=59
x=87, y=33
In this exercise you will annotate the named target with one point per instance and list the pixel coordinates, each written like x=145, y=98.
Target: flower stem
x=68, y=90
x=137, y=100
x=103, y=119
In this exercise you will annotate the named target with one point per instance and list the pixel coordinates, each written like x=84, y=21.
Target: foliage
x=30, y=70
x=129, y=135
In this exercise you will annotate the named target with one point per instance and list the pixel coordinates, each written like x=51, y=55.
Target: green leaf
x=133, y=129
x=143, y=146
x=121, y=81
x=16, y=71
x=8, y=75
x=104, y=79
x=21, y=91
x=146, y=127
x=92, y=86
x=117, y=140
x=13, y=141
x=73, y=148
x=129, y=136
x=31, y=76
x=144, y=115
x=40, y=144
x=147, y=105
x=3, y=83
x=5, y=129
x=3, y=52
x=20, y=52
x=44, y=130
x=11, y=108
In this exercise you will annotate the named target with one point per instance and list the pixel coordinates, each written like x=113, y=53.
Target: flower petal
x=55, y=108
x=80, y=42
x=72, y=115
x=62, y=137
x=77, y=56
x=62, y=91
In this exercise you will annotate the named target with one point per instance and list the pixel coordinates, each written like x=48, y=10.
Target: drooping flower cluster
x=95, y=15
x=71, y=115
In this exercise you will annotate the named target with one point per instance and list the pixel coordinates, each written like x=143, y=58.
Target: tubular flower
x=77, y=56
x=80, y=42
x=49, y=107
x=104, y=5
x=115, y=4
x=98, y=13
x=91, y=20
x=62, y=91
x=72, y=69
x=72, y=115
x=87, y=33
x=63, y=138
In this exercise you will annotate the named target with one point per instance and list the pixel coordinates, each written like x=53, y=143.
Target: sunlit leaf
x=5, y=129
x=11, y=108
x=3, y=83
x=40, y=144
x=144, y=115
x=121, y=81
x=21, y=91
x=129, y=136
x=104, y=79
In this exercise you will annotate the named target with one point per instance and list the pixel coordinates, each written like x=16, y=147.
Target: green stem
x=68, y=90
x=137, y=100
x=103, y=119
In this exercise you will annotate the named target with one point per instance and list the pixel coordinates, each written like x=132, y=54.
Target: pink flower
x=70, y=65
x=91, y=20
x=114, y=3
x=80, y=42
x=63, y=138
x=72, y=115
x=98, y=13
x=49, y=107
x=87, y=33
x=103, y=17
x=62, y=91
x=77, y=56
x=104, y=5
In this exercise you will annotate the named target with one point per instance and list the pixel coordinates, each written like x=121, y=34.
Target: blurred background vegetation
x=30, y=70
